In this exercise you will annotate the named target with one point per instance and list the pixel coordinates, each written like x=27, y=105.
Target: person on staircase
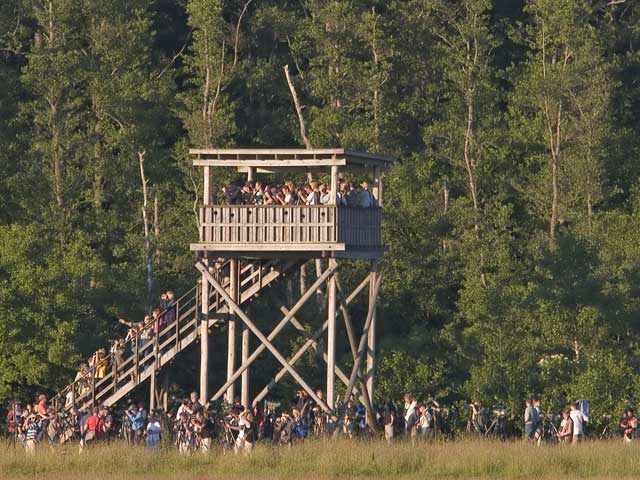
x=168, y=306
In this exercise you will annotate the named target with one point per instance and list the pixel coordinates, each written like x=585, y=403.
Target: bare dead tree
x=147, y=233
x=305, y=138
x=298, y=107
x=156, y=223
x=237, y=37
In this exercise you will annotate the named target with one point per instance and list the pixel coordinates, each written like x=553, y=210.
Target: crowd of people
x=193, y=427
x=312, y=193
x=139, y=335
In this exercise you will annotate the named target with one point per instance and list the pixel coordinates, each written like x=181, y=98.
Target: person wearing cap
x=137, y=418
x=107, y=422
x=33, y=429
x=365, y=199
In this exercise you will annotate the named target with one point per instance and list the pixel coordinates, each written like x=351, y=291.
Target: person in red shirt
x=94, y=428
x=41, y=407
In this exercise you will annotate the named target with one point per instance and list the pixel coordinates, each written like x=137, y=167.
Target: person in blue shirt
x=138, y=419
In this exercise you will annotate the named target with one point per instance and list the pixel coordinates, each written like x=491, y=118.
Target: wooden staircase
x=141, y=361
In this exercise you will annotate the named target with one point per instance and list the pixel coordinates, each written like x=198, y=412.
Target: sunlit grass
x=335, y=459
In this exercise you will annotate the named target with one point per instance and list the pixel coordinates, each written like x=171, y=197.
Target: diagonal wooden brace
x=363, y=339
x=233, y=306
x=299, y=304
x=341, y=375
x=311, y=342
x=301, y=351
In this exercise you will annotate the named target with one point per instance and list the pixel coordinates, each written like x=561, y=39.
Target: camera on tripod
x=499, y=410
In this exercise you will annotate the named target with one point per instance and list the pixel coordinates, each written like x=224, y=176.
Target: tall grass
x=335, y=459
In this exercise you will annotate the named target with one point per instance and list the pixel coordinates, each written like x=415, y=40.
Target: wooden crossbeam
x=311, y=342
x=256, y=331
x=364, y=337
x=308, y=294
x=341, y=375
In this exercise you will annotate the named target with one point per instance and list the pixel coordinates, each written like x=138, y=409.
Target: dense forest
x=513, y=267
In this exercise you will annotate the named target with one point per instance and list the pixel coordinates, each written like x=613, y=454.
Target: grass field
x=335, y=459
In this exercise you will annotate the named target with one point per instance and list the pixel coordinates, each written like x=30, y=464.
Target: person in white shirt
x=410, y=417
x=578, y=423
x=325, y=194
x=313, y=195
x=154, y=429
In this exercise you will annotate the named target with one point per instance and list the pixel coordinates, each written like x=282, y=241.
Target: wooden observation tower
x=261, y=240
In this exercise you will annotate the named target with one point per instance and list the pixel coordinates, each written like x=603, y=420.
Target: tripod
x=12, y=440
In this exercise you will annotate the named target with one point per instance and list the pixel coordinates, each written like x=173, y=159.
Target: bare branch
x=296, y=104
x=235, y=45
x=176, y=56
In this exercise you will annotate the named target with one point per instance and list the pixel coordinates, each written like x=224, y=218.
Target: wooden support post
x=234, y=273
x=233, y=306
x=204, y=304
x=93, y=387
x=251, y=171
x=206, y=191
x=244, y=389
x=377, y=186
x=204, y=338
x=331, y=338
x=371, y=336
x=165, y=392
x=334, y=185
x=299, y=304
x=152, y=390
x=136, y=371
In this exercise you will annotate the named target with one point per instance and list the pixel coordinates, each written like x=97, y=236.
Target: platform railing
x=284, y=225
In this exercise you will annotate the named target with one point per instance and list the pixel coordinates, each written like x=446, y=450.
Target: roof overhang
x=288, y=159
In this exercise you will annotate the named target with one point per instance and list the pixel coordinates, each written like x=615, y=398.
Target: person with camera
x=283, y=431
x=33, y=429
x=193, y=405
x=250, y=432
x=237, y=424
x=137, y=419
x=184, y=438
x=425, y=422
x=107, y=423
x=629, y=426
x=345, y=426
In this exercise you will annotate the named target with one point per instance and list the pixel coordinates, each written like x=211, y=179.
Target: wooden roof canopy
x=270, y=160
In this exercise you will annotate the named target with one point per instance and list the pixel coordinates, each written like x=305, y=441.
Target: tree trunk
x=147, y=233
